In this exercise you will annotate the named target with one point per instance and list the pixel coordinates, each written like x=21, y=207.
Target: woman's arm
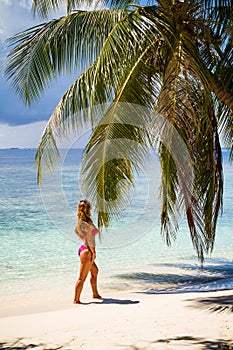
x=90, y=239
x=78, y=230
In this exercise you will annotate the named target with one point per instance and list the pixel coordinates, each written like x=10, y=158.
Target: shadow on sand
x=218, y=304
x=20, y=344
x=187, y=342
x=112, y=301
x=174, y=343
x=215, y=304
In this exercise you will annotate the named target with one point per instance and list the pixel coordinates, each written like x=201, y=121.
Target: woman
x=86, y=230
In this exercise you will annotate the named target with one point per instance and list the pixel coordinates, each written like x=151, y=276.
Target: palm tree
x=171, y=62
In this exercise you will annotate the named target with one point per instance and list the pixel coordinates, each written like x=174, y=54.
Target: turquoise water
x=39, y=248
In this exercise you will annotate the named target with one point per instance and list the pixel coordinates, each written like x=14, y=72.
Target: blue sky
x=21, y=126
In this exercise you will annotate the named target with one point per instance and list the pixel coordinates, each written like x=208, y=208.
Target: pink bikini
x=80, y=249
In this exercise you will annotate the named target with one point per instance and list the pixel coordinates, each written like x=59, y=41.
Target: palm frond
x=190, y=111
x=47, y=153
x=117, y=148
x=47, y=50
x=29, y=68
x=218, y=14
x=168, y=194
x=225, y=127
x=70, y=115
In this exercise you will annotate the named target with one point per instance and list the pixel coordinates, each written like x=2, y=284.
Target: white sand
x=129, y=321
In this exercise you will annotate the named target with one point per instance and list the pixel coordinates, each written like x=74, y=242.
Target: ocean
x=39, y=260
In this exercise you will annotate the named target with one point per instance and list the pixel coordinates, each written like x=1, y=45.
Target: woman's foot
x=97, y=296
x=77, y=302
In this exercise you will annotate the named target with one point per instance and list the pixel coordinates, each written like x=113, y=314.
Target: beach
x=129, y=321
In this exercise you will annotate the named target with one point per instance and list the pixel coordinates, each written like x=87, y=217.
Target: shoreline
x=127, y=320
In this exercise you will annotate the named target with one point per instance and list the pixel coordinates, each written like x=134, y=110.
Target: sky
x=21, y=126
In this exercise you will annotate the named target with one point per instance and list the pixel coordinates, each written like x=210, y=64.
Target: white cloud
x=2, y=30
x=27, y=4
x=21, y=136
x=98, y=4
x=29, y=135
x=15, y=16
x=7, y=2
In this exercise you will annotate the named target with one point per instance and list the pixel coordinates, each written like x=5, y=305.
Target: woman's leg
x=94, y=273
x=85, y=266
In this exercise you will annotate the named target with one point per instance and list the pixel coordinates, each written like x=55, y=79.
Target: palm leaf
x=225, y=122
x=115, y=150
x=206, y=201
x=47, y=50
x=179, y=103
x=47, y=152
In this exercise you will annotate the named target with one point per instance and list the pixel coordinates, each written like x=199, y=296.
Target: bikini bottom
x=83, y=247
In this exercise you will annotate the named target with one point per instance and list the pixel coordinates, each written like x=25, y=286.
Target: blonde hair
x=84, y=211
